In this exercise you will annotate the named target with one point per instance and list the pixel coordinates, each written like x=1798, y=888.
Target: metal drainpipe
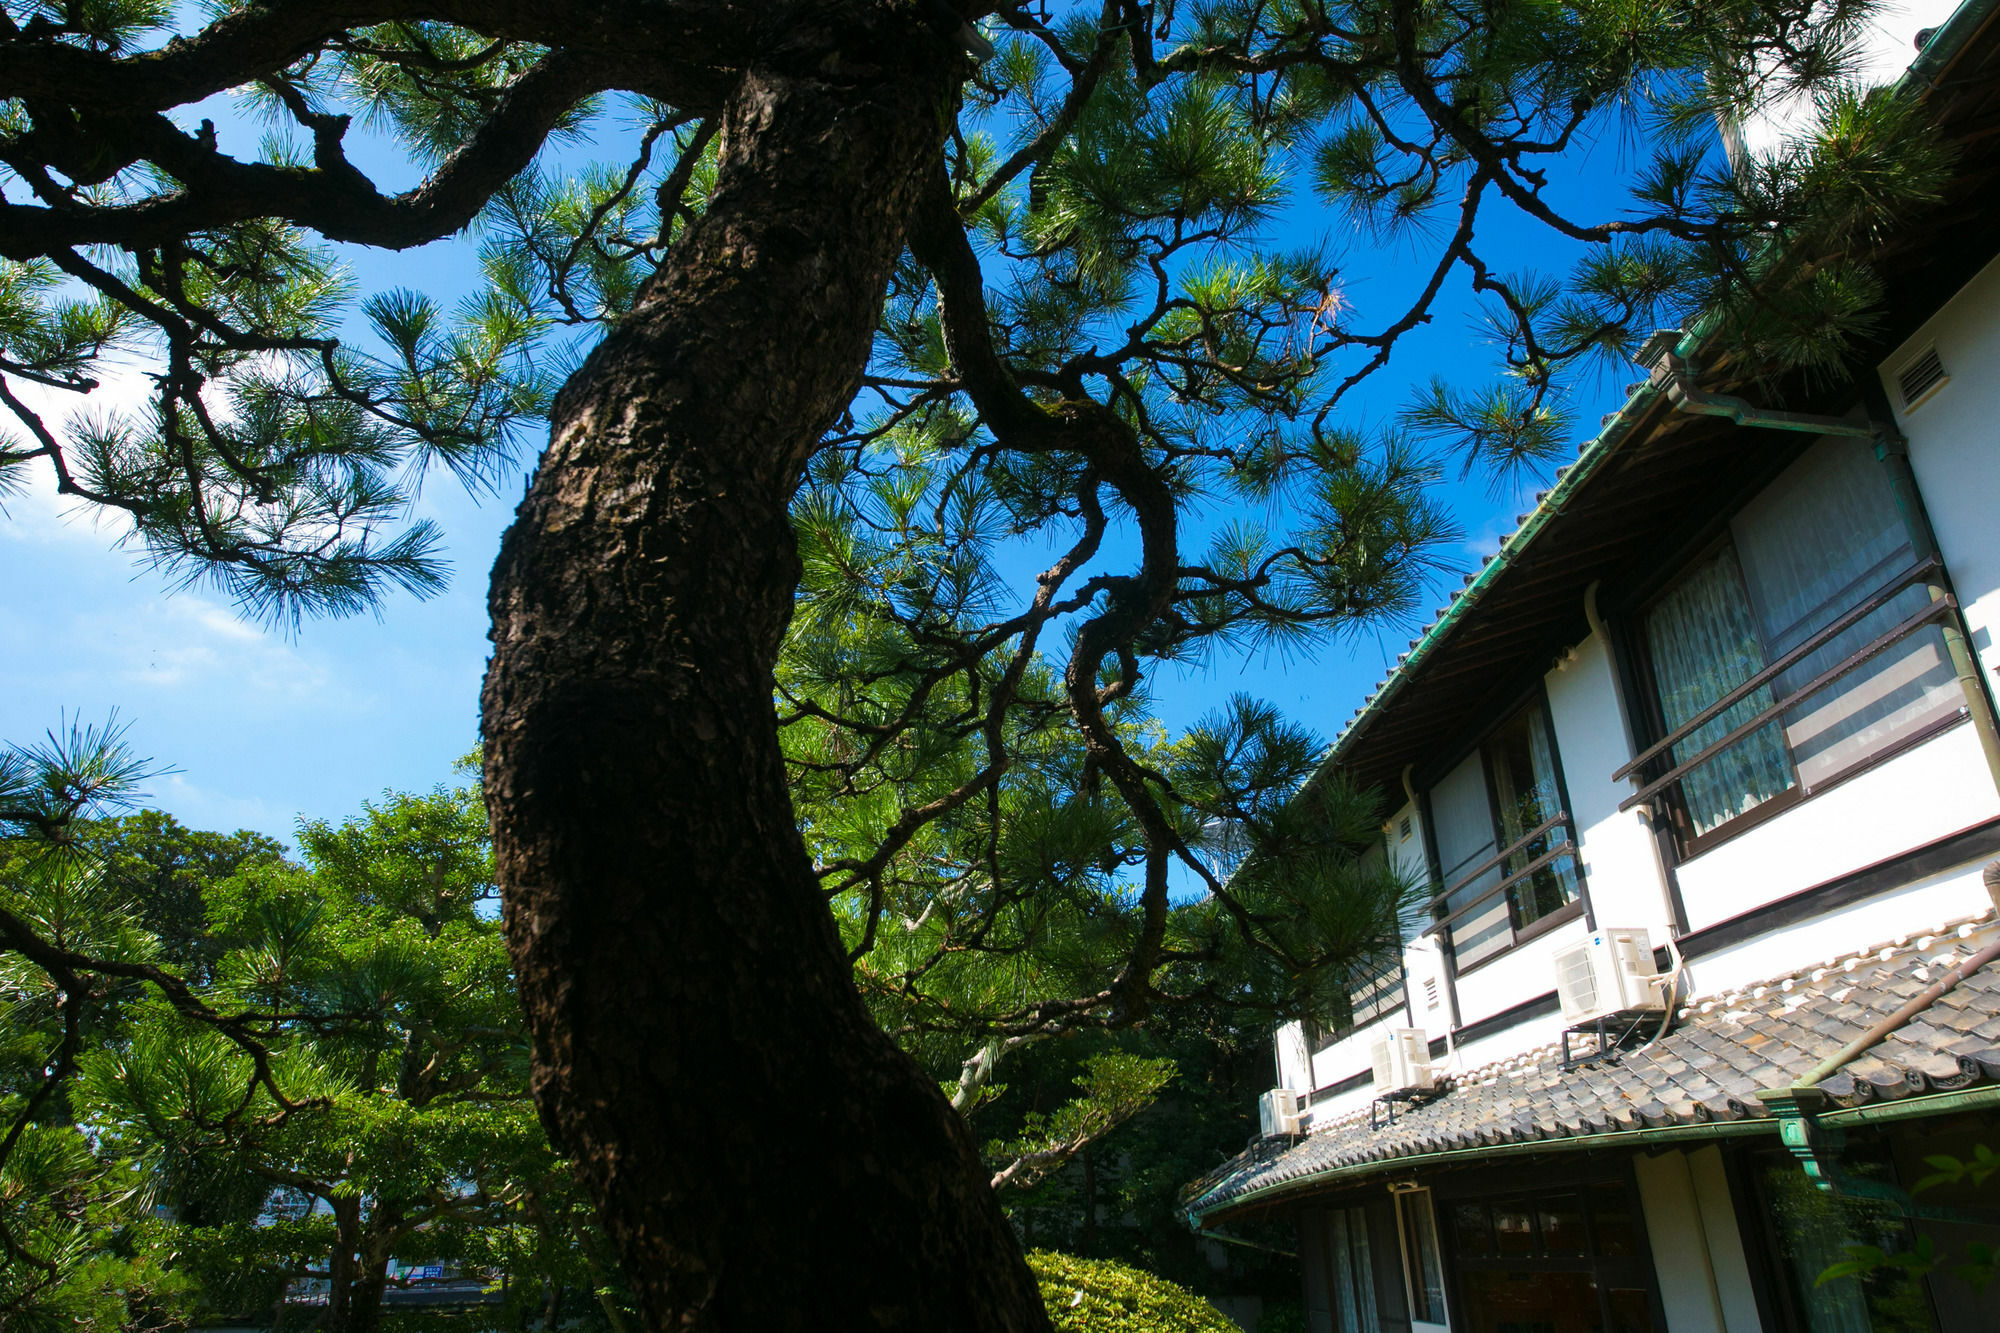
x=1923, y=1000
x=1671, y=372
x=1818, y=1147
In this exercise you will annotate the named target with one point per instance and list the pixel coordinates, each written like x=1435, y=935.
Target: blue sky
x=263, y=729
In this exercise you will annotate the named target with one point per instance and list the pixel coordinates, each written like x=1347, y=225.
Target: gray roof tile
x=1708, y=1067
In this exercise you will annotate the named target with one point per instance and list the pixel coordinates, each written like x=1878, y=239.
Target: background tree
x=1087, y=333
x=383, y=995
x=344, y=1085
x=151, y=862
x=74, y=1246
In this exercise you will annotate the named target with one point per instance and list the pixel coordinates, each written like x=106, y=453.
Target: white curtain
x=1703, y=644
x=1813, y=544
x=1353, y=1276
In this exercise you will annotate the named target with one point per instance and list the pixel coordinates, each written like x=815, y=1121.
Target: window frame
x=1688, y=844
x=1534, y=697
x=1390, y=984
x=1406, y=1201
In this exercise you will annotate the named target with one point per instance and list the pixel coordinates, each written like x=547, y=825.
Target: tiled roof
x=1721, y=1051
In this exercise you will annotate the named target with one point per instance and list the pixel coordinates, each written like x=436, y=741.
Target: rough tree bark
x=763, y=1156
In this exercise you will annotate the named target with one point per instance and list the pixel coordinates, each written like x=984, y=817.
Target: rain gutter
x=1817, y=1136
x=1947, y=44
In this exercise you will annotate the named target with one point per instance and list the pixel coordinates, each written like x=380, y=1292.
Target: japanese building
x=1702, y=770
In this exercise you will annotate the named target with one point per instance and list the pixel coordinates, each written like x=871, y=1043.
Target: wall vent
x=1921, y=378
x=1404, y=830
x=1430, y=993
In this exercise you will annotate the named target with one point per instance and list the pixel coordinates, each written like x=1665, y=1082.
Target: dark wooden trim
x=1946, y=853
x=1562, y=799
x=1560, y=817
x=1541, y=1006
x=1340, y=1086
x=1694, y=844
x=1798, y=794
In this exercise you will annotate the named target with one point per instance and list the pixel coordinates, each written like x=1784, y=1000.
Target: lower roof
x=1701, y=1077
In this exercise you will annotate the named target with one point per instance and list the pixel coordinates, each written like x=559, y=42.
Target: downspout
x=1672, y=374
x=1818, y=1146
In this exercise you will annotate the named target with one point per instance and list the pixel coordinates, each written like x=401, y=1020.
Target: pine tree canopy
x=895, y=356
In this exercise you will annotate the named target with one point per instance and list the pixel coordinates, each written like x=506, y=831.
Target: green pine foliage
x=264, y=1070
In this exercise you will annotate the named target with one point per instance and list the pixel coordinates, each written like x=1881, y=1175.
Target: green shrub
x=1099, y=1296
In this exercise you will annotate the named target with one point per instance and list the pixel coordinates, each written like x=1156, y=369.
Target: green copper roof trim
x=1907, y=1108
x=1712, y=1129
x=1947, y=43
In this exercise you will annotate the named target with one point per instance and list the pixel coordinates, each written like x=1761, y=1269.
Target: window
x=1503, y=841
x=1353, y=1282
x=1374, y=985
x=1811, y=1230
x=1559, y=1258
x=1423, y=1270
x=1814, y=547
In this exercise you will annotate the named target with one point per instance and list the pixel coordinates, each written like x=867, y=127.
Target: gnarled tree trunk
x=764, y=1158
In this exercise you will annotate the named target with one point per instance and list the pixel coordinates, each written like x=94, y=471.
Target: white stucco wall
x=1939, y=788
x=1927, y=793
x=1522, y=973
x=1621, y=859
x=1918, y=908
x=1697, y=1249
x=1294, y=1068
x=1954, y=439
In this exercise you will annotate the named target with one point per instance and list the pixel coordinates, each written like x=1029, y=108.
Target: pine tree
x=863, y=307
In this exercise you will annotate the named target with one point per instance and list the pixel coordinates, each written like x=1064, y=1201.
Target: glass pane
x=1514, y=1229
x=1562, y=1225
x=1462, y=815
x=1340, y=1260
x=1813, y=1230
x=1816, y=542
x=1363, y=1269
x=1468, y=1230
x=1526, y=796
x=1631, y=1312
x=1427, y=1273
x=1703, y=643
x=1611, y=1220
x=1532, y=1303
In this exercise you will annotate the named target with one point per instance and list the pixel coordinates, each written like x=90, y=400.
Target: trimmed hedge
x=1099, y=1296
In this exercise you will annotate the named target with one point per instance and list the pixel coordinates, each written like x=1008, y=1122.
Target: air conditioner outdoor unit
x=1402, y=1060
x=1612, y=972
x=1278, y=1113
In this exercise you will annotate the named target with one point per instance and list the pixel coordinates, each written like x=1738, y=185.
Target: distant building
x=1703, y=771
